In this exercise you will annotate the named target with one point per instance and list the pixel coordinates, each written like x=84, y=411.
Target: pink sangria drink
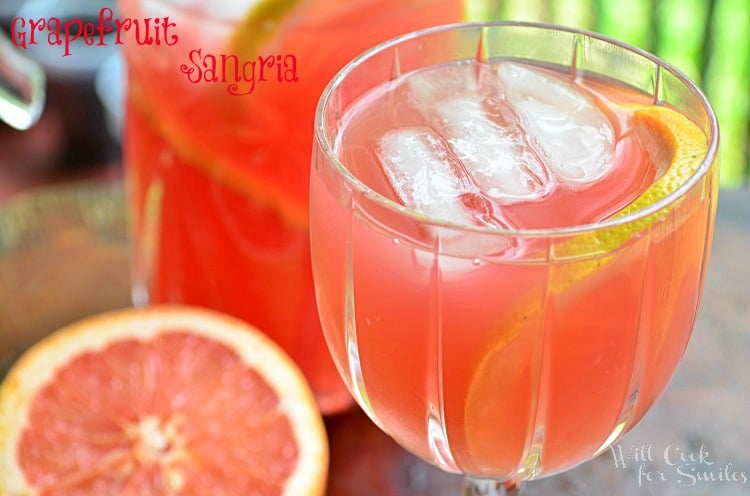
x=217, y=153
x=510, y=228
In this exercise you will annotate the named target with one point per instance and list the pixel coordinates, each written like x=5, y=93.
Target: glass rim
x=323, y=138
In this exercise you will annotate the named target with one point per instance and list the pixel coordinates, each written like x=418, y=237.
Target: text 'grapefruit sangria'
x=510, y=226
x=217, y=153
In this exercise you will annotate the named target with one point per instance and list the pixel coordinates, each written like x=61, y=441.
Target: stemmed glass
x=506, y=365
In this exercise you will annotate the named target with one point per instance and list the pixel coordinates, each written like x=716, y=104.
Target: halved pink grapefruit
x=167, y=400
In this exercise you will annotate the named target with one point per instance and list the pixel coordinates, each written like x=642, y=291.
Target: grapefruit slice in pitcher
x=166, y=400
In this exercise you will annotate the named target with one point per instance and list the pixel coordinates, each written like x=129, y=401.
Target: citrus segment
x=497, y=401
x=677, y=146
x=166, y=400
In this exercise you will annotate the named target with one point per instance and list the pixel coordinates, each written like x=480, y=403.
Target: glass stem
x=490, y=487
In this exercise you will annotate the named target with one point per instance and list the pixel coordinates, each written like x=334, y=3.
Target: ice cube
x=573, y=135
x=427, y=88
x=424, y=173
x=496, y=156
x=465, y=104
x=429, y=178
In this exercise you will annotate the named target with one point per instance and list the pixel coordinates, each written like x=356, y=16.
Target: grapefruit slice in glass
x=678, y=147
x=166, y=400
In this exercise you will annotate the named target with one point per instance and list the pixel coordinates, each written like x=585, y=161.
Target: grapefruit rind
x=41, y=362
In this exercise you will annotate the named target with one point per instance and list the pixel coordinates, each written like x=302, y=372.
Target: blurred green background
x=709, y=40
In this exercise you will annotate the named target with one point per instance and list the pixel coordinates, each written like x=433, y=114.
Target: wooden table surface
x=701, y=414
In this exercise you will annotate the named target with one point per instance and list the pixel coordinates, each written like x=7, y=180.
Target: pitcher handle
x=22, y=86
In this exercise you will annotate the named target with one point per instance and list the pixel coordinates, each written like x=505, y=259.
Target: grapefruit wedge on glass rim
x=166, y=400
